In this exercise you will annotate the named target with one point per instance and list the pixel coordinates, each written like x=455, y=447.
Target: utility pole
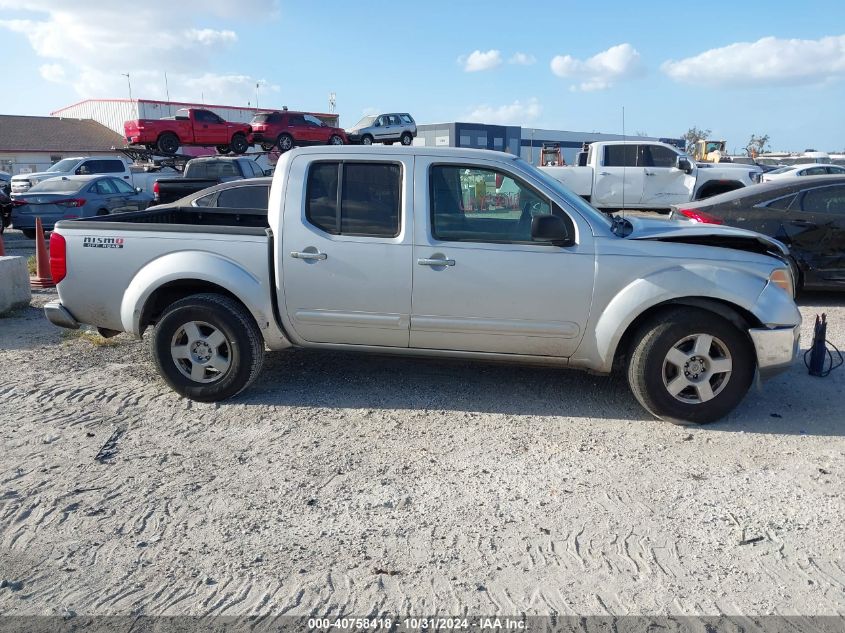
x=128, y=81
x=257, y=87
x=167, y=93
x=332, y=102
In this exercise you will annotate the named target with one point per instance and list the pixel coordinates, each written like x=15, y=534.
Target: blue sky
x=765, y=67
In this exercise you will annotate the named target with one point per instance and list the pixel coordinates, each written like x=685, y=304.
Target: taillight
x=19, y=202
x=700, y=216
x=71, y=202
x=155, y=190
x=58, y=257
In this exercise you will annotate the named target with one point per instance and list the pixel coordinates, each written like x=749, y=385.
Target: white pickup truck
x=410, y=250
x=647, y=175
x=92, y=165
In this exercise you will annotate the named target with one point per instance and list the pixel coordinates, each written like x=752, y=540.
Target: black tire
x=651, y=374
x=239, y=144
x=335, y=140
x=167, y=143
x=222, y=149
x=267, y=146
x=406, y=139
x=28, y=233
x=284, y=143
x=102, y=212
x=387, y=142
x=366, y=140
x=244, y=347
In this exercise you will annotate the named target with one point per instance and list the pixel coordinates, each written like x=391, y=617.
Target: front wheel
x=366, y=140
x=207, y=347
x=690, y=365
x=222, y=149
x=239, y=144
x=28, y=233
x=407, y=139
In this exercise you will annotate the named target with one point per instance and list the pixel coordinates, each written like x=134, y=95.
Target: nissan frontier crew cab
x=412, y=251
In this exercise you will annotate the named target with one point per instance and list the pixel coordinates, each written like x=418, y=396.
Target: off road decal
x=102, y=242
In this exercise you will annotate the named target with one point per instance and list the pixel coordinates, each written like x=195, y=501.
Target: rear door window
x=620, y=155
x=369, y=195
x=825, y=200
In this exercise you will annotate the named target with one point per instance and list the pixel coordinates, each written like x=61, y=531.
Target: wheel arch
x=178, y=275
x=710, y=189
x=738, y=316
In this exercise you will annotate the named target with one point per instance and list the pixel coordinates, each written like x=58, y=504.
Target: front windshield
x=57, y=185
x=64, y=165
x=367, y=121
x=571, y=198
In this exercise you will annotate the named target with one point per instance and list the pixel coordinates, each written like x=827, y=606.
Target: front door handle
x=604, y=173
x=435, y=262
x=312, y=256
x=649, y=173
x=804, y=223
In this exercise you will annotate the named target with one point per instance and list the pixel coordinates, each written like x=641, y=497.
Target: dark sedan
x=807, y=214
x=252, y=193
x=66, y=197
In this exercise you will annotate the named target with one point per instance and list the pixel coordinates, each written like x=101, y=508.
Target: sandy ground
x=363, y=485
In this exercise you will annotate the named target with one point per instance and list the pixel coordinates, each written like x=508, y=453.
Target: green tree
x=692, y=136
x=757, y=144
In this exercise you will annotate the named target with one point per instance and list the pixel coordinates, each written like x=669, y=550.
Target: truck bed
x=182, y=218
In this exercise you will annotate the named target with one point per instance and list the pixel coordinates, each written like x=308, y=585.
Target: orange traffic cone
x=42, y=278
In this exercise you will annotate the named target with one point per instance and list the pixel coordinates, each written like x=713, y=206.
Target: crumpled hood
x=704, y=234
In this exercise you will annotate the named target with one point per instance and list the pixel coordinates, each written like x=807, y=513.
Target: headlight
x=782, y=277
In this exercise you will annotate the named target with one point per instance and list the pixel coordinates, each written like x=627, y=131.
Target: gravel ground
x=363, y=484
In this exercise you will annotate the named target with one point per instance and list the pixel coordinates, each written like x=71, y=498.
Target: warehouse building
x=520, y=141
x=30, y=144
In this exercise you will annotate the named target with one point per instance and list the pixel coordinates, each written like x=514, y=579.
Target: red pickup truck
x=190, y=126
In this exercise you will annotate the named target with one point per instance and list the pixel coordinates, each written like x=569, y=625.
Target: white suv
x=384, y=128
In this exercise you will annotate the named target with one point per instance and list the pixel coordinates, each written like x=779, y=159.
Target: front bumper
x=777, y=348
x=57, y=314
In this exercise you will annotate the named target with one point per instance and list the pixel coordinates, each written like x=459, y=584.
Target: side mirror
x=684, y=165
x=550, y=229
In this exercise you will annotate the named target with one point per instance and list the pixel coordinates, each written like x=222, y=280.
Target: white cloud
x=522, y=59
x=516, y=113
x=52, y=72
x=769, y=60
x=600, y=71
x=478, y=60
x=88, y=44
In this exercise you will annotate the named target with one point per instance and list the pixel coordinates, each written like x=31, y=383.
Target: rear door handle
x=805, y=223
x=604, y=173
x=313, y=256
x=435, y=262
x=649, y=173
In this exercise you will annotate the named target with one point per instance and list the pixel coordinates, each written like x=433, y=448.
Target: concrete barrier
x=14, y=283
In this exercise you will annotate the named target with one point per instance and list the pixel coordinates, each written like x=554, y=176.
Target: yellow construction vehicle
x=710, y=151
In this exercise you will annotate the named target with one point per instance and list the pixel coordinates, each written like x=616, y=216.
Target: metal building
x=520, y=141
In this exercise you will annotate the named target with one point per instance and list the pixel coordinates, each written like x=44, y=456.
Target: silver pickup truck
x=418, y=251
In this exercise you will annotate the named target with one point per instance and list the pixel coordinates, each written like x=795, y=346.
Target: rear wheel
x=28, y=233
x=223, y=149
x=103, y=212
x=335, y=140
x=167, y=143
x=285, y=142
x=207, y=347
x=690, y=365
